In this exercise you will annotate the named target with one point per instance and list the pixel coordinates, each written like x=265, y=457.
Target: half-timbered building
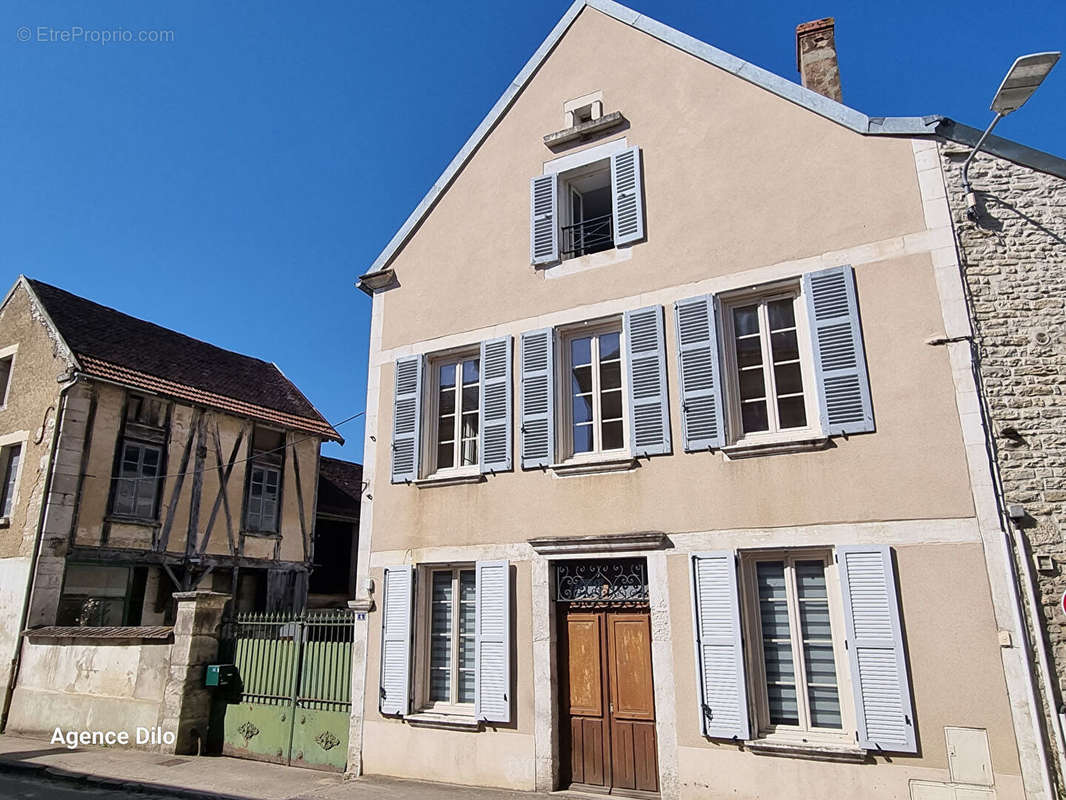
x=138, y=462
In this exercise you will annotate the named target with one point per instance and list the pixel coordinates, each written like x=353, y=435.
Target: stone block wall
x=1014, y=264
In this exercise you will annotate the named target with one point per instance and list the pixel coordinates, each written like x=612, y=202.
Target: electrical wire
x=238, y=461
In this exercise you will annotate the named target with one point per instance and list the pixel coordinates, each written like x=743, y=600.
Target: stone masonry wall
x=1014, y=264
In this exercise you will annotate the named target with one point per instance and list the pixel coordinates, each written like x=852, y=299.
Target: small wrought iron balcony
x=588, y=236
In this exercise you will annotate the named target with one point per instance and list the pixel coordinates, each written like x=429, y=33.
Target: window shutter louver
x=543, y=219
x=397, y=599
x=723, y=691
x=537, y=430
x=649, y=412
x=628, y=202
x=875, y=650
x=699, y=368
x=492, y=667
x=406, y=418
x=494, y=440
x=839, y=359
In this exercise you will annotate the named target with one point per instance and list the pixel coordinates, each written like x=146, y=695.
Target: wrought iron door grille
x=587, y=236
x=622, y=580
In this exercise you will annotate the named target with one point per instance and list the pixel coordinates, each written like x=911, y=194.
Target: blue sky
x=233, y=182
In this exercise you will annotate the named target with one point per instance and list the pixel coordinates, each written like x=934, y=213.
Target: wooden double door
x=608, y=700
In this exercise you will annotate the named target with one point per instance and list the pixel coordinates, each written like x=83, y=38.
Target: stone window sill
x=262, y=534
x=430, y=719
x=446, y=479
x=750, y=449
x=568, y=469
x=122, y=519
x=810, y=750
x=592, y=127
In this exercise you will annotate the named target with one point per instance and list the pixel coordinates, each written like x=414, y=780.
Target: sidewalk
x=206, y=777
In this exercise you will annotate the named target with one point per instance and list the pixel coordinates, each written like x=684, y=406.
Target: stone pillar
x=186, y=702
x=362, y=608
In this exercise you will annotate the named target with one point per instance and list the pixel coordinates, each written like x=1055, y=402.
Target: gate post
x=186, y=701
x=362, y=608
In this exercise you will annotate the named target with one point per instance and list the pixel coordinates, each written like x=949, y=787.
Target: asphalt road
x=28, y=787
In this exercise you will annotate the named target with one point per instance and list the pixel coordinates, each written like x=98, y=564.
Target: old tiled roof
x=115, y=346
x=340, y=487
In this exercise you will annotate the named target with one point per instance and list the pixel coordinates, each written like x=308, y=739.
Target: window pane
x=611, y=404
x=752, y=386
x=777, y=642
x=467, y=597
x=470, y=426
x=612, y=435
x=789, y=379
x=470, y=371
x=447, y=401
x=583, y=438
x=151, y=460
x=746, y=320
x=749, y=352
x=582, y=408
x=791, y=412
x=611, y=375
x=784, y=346
x=754, y=417
x=825, y=707
x=469, y=452
x=581, y=380
x=810, y=580
x=272, y=482
x=446, y=428
x=470, y=398
x=447, y=375
x=446, y=456
x=609, y=346
x=440, y=632
x=581, y=351
x=782, y=314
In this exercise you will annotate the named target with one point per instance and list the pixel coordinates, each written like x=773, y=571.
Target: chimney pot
x=816, y=57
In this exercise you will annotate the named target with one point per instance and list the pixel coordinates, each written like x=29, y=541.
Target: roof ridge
x=34, y=282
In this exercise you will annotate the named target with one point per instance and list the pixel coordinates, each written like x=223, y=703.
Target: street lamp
x=1022, y=79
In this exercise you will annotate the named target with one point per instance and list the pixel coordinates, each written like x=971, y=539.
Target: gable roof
x=108, y=344
x=932, y=125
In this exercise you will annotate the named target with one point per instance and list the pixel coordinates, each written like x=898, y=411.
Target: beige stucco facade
x=741, y=188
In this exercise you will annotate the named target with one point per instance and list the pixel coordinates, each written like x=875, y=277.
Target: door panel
x=586, y=681
x=632, y=710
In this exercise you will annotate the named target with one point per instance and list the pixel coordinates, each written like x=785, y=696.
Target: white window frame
x=431, y=414
x=564, y=399
x=758, y=700
x=253, y=466
x=138, y=481
x=564, y=202
x=731, y=372
x=6, y=448
x=423, y=633
x=8, y=353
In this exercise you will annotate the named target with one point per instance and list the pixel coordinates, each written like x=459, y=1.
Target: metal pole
x=971, y=198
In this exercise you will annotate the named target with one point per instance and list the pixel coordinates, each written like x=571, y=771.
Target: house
x=677, y=483
x=138, y=462
x=1013, y=255
x=340, y=487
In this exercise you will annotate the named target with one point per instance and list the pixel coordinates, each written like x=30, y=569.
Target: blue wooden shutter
x=723, y=686
x=538, y=392
x=628, y=201
x=544, y=219
x=406, y=418
x=699, y=368
x=494, y=440
x=875, y=649
x=839, y=359
x=492, y=665
x=649, y=409
x=397, y=599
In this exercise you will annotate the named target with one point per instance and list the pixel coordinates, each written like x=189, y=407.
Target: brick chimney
x=816, y=57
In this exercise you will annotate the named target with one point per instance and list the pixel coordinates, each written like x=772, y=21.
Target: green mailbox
x=219, y=675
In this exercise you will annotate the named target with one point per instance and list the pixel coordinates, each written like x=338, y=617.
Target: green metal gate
x=292, y=703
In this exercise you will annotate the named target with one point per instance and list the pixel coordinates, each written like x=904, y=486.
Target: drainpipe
x=1016, y=514
x=16, y=662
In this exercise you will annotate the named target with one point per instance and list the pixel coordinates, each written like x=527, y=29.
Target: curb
x=46, y=772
